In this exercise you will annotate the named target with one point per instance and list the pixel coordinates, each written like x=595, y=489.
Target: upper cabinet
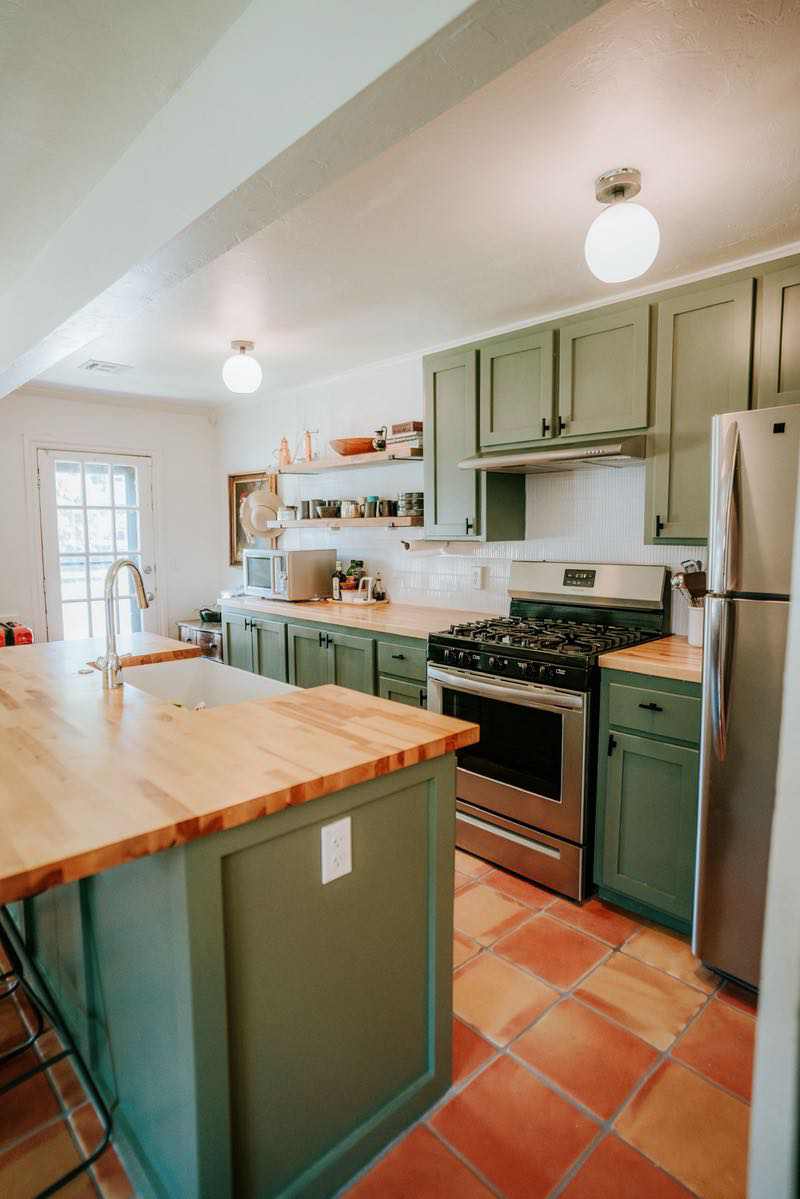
x=603, y=373
x=703, y=368
x=516, y=388
x=779, y=360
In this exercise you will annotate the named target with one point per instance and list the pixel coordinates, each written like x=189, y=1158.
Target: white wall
x=190, y=495
x=593, y=515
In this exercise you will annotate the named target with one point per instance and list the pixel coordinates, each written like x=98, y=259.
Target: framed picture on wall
x=239, y=488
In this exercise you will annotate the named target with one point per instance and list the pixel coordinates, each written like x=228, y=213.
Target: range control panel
x=579, y=578
x=552, y=673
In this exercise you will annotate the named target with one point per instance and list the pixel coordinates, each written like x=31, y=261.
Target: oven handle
x=511, y=693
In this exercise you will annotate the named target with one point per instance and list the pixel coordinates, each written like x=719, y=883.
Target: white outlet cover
x=337, y=849
x=478, y=576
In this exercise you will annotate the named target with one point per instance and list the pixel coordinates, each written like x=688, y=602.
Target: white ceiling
x=477, y=220
x=78, y=80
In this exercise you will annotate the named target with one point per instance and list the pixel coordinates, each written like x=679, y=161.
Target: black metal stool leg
x=33, y=986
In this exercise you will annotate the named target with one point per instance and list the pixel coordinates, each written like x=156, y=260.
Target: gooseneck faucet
x=110, y=664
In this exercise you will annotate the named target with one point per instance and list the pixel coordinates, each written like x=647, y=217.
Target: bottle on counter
x=336, y=581
x=378, y=589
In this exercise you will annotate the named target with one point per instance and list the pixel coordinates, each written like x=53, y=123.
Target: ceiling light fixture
x=622, y=242
x=240, y=373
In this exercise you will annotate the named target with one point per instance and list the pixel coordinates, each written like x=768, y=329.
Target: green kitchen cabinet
x=647, y=795
x=779, y=359
x=703, y=369
x=318, y=656
x=402, y=691
x=238, y=640
x=269, y=648
x=603, y=373
x=460, y=504
x=309, y=660
x=516, y=388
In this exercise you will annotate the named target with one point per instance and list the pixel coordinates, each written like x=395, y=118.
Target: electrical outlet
x=337, y=849
x=478, y=574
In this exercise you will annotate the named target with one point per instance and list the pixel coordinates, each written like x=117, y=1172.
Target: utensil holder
x=696, y=626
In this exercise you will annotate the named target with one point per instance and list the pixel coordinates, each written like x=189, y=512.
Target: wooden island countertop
x=401, y=620
x=668, y=658
x=90, y=779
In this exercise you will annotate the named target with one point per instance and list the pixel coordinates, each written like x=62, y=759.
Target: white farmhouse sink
x=201, y=682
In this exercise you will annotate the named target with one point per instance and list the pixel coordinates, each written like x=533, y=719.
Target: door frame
x=31, y=446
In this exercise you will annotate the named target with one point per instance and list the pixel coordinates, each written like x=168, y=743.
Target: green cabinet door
x=779, y=360
x=402, y=691
x=352, y=661
x=451, y=433
x=703, y=369
x=603, y=373
x=238, y=641
x=309, y=660
x=516, y=390
x=651, y=822
x=269, y=648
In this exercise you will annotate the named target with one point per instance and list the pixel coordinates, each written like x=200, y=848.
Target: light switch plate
x=337, y=849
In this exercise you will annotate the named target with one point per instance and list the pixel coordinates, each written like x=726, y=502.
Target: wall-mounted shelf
x=355, y=522
x=348, y=462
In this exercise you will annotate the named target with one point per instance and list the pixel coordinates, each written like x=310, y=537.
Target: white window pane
x=99, y=522
x=98, y=483
x=98, y=618
x=75, y=618
x=126, y=491
x=70, y=531
x=73, y=578
x=130, y=616
x=98, y=569
x=69, y=489
x=127, y=530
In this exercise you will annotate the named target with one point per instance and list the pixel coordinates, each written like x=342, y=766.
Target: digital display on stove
x=579, y=578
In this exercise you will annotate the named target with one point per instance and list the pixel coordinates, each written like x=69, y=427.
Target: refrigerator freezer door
x=753, y=488
x=742, y=693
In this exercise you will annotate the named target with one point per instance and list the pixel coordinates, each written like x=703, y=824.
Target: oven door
x=530, y=762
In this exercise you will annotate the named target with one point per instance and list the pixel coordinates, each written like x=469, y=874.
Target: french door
x=94, y=509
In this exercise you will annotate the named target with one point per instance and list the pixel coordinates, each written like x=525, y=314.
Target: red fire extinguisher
x=12, y=633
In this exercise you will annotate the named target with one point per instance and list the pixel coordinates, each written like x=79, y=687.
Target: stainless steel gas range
x=525, y=791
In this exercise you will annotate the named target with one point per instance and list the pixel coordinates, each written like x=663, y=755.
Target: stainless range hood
x=536, y=462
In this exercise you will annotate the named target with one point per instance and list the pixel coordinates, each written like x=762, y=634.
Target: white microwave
x=288, y=574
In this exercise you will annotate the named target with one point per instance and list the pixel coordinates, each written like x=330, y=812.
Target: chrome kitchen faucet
x=110, y=664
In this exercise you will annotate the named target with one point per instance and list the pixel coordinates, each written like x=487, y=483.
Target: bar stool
x=25, y=978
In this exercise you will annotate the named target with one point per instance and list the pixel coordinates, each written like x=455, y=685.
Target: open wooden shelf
x=354, y=522
x=349, y=461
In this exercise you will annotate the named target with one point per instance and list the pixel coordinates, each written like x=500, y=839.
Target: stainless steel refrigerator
x=754, y=467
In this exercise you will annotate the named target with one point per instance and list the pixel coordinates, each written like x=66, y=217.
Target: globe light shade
x=242, y=374
x=622, y=242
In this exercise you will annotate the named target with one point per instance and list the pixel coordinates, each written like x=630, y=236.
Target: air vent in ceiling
x=98, y=367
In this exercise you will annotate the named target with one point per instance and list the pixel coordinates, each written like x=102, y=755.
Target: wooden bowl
x=345, y=446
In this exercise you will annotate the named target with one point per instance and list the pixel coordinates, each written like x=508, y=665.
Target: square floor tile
x=474, y=867
x=739, y=997
x=694, y=1130
x=498, y=999
x=597, y=918
x=39, y=1160
x=720, y=1044
x=464, y=948
x=672, y=953
x=648, y=1002
x=62, y=1074
x=419, y=1167
x=461, y=880
x=519, y=888
x=615, y=1171
x=560, y=955
x=485, y=914
x=469, y=1051
x=587, y=1056
x=519, y=1133
x=30, y=1105
x=108, y=1169
x=12, y=1029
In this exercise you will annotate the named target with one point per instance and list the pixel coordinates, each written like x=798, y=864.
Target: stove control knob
x=448, y=655
x=542, y=671
x=523, y=668
x=492, y=663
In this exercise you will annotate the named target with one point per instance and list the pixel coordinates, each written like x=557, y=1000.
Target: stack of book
x=406, y=433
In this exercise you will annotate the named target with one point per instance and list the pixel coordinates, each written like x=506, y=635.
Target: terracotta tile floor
x=593, y=1058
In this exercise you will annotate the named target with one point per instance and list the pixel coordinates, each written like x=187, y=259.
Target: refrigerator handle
x=718, y=640
x=724, y=533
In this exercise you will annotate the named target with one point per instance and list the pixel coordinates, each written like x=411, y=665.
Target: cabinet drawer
x=405, y=661
x=210, y=644
x=413, y=694
x=653, y=711
x=187, y=634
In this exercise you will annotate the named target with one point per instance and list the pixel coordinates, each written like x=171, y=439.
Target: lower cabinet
x=647, y=796
x=237, y=640
x=403, y=692
x=317, y=656
x=257, y=645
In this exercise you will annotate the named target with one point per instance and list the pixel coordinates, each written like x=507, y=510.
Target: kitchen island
x=256, y=1032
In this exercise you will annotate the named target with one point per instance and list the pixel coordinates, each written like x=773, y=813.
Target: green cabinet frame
x=516, y=388
x=318, y=656
x=703, y=369
x=403, y=691
x=603, y=373
x=779, y=360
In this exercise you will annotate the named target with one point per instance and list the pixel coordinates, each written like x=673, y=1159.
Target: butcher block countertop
x=402, y=620
x=668, y=658
x=90, y=779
